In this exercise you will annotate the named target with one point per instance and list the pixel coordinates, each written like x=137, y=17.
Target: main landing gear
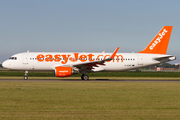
x=26, y=75
x=84, y=77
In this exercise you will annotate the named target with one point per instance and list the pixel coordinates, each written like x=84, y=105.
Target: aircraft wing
x=91, y=65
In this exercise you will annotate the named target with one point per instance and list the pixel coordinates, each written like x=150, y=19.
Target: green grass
x=90, y=100
x=21, y=73
x=98, y=74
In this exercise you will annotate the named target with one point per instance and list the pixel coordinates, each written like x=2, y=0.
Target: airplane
x=66, y=64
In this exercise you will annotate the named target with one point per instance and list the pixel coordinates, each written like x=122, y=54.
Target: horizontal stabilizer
x=169, y=57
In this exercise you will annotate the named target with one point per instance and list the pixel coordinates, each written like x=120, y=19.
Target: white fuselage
x=48, y=61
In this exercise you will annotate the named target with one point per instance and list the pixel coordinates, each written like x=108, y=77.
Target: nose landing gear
x=26, y=75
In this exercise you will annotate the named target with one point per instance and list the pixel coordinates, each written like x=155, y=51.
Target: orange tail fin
x=160, y=43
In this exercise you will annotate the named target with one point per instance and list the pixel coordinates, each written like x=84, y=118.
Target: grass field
x=98, y=74
x=90, y=100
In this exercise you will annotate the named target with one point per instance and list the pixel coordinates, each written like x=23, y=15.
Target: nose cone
x=5, y=64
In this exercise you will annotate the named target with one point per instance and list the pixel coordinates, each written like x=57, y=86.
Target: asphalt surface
x=78, y=80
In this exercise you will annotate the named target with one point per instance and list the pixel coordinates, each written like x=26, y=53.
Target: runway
x=78, y=80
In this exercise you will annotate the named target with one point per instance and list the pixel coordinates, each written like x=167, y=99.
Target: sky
x=85, y=25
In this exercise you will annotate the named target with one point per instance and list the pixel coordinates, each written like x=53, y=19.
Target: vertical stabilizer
x=160, y=43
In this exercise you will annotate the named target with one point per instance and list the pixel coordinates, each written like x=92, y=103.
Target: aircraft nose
x=5, y=64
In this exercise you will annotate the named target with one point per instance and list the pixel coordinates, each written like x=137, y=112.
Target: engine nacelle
x=65, y=71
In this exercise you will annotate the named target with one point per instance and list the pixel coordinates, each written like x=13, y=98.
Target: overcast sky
x=85, y=25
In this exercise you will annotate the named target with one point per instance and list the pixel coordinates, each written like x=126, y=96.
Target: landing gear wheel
x=26, y=75
x=84, y=77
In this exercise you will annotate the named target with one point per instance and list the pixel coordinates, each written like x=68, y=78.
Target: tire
x=82, y=77
x=85, y=77
x=25, y=77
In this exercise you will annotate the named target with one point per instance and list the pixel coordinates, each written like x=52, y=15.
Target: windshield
x=13, y=58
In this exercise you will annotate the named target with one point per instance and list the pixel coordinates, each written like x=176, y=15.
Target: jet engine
x=65, y=71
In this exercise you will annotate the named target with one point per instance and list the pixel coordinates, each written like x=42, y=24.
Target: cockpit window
x=13, y=58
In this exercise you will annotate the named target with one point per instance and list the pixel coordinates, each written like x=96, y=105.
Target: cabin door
x=140, y=60
x=25, y=59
